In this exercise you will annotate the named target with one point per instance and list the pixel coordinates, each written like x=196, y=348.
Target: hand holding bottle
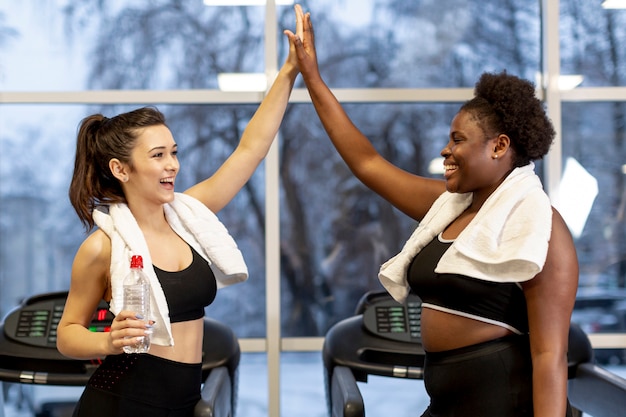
x=137, y=307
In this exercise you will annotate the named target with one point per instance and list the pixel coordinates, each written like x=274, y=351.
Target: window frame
x=273, y=344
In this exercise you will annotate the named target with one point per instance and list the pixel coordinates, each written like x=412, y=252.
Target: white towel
x=507, y=241
x=195, y=224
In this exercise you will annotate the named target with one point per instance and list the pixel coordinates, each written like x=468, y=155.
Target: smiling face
x=469, y=157
x=154, y=164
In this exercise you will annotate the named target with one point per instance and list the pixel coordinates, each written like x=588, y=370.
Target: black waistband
x=149, y=379
x=477, y=350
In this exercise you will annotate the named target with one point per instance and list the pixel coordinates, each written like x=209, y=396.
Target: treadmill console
x=385, y=317
x=35, y=322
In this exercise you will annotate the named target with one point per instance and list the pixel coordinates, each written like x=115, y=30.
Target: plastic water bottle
x=137, y=299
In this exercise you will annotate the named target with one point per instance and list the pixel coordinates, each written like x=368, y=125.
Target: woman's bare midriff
x=188, y=343
x=444, y=331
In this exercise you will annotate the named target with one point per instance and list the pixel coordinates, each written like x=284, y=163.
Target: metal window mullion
x=272, y=229
x=551, y=60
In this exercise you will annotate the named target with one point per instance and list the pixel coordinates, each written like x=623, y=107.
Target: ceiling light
x=566, y=82
x=245, y=2
x=614, y=4
x=569, y=82
x=241, y=81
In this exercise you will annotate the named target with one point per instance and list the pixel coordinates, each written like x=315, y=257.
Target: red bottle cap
x=136, y=261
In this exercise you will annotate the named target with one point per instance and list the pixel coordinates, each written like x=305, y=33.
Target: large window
x=593, y=121
x=312, y=235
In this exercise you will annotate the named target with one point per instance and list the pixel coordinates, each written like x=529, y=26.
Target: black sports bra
x=502, y=304
x=188, y=291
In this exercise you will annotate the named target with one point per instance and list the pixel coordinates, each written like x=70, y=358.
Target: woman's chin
x=451, y=187
x=168, y=197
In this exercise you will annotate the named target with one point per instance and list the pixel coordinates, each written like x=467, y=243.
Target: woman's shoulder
x=559, y=223
x=562, y=247
x=92, y=264
x=95, y=250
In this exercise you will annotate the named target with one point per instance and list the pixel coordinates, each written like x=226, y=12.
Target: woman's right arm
x=409, y=193
x=89, y=284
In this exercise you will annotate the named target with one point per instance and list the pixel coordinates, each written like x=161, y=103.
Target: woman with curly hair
x=493, y=263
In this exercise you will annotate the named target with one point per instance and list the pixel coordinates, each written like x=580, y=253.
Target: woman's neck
x=149, y=217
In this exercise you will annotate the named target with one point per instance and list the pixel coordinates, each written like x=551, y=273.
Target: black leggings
x=491, y=379
x=132, y=385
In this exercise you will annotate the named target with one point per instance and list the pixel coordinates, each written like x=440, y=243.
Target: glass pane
x=411, y=44
x=335, y=233
x=81, y=45
x=37, y=144
x=593, y=43
x=303, y=391
x=594, y=151
x=252, y=399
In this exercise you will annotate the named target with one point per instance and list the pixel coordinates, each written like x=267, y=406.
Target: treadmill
x=28, y=355
x=383, y=338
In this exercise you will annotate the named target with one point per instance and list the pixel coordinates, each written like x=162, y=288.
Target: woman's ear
x=501, y=146
x=118, y=169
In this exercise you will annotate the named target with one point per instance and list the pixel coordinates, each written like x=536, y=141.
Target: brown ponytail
x=99, y=140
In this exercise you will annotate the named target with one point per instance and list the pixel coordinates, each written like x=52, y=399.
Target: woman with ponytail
x=100, y=140
x=123, y=183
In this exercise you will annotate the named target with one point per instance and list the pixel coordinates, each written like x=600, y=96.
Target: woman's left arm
x=550, y=299
x=219, y=189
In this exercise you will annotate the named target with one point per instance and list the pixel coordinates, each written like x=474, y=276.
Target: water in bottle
x=137, y=299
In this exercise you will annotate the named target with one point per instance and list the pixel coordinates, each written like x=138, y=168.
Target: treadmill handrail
x=598, y=392
x=43, y=378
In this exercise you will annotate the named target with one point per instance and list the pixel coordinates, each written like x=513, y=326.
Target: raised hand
x=304, y=43
x=292, y=59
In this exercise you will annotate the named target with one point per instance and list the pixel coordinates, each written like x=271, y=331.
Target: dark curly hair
x=504, y=103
